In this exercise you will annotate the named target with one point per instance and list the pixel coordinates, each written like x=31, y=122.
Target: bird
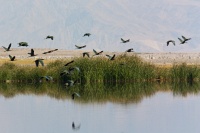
x=124, y=41
x=86, y=54
x=47, y=52
x=48, y=78
x=32, y=53
x=184, y=40
x=172, y=41
x=111, y=57
x=65, y=72
x=49, y=37
x=7, y=49
x=69, y=63
x=39, y=61
x=87, y=34
x=75, y=94
x=129, y=50
x=80, y=47
x=70, y=82
x=75, y=127
x=23, y=44
x=97, y=53
x=12, y=58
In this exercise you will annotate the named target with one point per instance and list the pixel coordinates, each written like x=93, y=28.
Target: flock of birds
x=182, y=40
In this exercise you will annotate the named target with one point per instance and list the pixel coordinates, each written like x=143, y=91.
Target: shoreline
x=160, y=59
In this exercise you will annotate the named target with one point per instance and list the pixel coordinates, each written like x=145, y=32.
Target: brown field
x=160, y=59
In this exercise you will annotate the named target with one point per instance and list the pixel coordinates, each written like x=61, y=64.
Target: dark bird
x=23, y=44
x=74, y=127
x=69, y=63
x=172, y=41
x=39, y=61
x=49, y=37
x=87, y=34
x=111, y=57
x=75, y=94
x=32, y=53
x=47, y=52
x=69, y=71
x=80, y=47
x=12, y=58
x=129, y=50
x=86, y=54
x=7, y=49
x=124, y=41
x=65, y=72
x=184, y=40
x=71, y=82
x=97, y=53
x=48, y=78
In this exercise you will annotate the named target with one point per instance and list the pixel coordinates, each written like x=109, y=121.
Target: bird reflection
x=74, y=127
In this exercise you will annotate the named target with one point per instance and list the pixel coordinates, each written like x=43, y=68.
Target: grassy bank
x=99, y=69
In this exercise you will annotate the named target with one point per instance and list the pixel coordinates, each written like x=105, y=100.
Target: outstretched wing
x=78, y=47
x=4, y=48
x=9, y=46
x=10, y=57
x=183, y=37
x=95, y=51
x=41, y=62
x=122, y=40
x=180, y=40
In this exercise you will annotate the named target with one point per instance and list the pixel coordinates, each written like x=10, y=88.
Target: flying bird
x=48, y=78
x=80, y=47
x=49, y=37
x=86, y=54
x=75, y=94
x=32, y=53
x=124, y=41
x=111, y=57
x=129, y=50
x=7, y=49
x=172, y=41
x=97, y=53
x=12, y=58
x=74, y=127
x=69, y=63
x=39, y=61
x=71, y=82
x=184, y=40
x=23, y=44
x=87, y=34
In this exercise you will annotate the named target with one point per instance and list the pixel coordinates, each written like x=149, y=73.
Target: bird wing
x=4, y=48
x=9, y=46
x=180, y=40
x=78, y=47
x=95, y=51
x=122, y=40
x=36, y=63
x=32, y=52
x=109, y=56
x=113, y=57
x=10, y=57
x=41, y=62
x=183, y=37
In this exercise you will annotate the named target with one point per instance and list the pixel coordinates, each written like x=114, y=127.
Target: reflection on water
x=118, y=108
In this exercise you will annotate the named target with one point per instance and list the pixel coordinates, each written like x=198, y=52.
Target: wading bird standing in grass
x=49, y=37
x=80, y=47
x=184, y=40
x=12, y=58
x=172, y=41
x=129, y=50
x=124, y=41
x=48, y=78
x=75, y=94
x=97, y=53
x=111, y=57
x=87, y=34
x=23, y=44
x=32, y=53
x=86, y=54
x=69, y=63
x=39, y=61
x=7, y=49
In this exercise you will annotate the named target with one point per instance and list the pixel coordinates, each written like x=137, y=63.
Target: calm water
x=161, y=112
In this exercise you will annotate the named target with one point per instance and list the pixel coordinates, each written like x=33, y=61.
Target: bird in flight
x=7, y=49
x=23, y=44
x=39, y=61
x=74, y=127
x=86, y=54
x=124, y=41
x=184, y=40
x=170, y=41
x=80, y=47
x=87, y=34
x=69, y=63
x=32, y=53
x=48, y=78
x=12, y=58
x=129, y=50
x=49, y=37
x=75, y=94
x=111, y=57
x=97, y=53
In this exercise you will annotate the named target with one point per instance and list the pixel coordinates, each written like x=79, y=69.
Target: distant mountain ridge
x=148, y=24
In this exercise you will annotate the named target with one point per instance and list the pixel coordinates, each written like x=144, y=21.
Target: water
x=160, y=112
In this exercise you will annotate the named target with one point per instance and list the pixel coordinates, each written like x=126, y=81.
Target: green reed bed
x=99, y=69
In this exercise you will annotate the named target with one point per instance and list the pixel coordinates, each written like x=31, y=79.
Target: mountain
x=148, y=24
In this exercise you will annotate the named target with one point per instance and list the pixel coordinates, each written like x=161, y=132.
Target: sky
x=148, y=24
